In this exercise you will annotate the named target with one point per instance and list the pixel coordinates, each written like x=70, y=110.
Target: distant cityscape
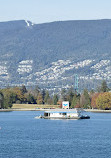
x=58, y=72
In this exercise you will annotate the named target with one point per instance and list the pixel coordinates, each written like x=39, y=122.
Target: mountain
x=50, y=54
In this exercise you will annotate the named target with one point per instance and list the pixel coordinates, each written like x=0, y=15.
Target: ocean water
x=22, y=136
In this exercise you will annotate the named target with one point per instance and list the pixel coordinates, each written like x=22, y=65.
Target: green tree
x=23, y=89
x=85, y=101
x=43, y=95
x=1, y=100
x=55, y=99
x=70, y=95
x=63, y=95
x=92, y=92
x=9, y=98
x=47, y=97
x=104, y=87
x=30, y=99
x=75, y=101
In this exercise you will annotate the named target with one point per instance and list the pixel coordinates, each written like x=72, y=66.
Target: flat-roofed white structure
x=64, y=114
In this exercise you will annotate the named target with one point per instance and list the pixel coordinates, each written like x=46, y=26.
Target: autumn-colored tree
x=93, y=100
x=18, y=92
x=103, y=101
x=50, y=101
x=39, y=99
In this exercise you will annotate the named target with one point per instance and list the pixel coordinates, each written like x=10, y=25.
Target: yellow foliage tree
x=39, y=99
x=103, y=101
x=20, y=95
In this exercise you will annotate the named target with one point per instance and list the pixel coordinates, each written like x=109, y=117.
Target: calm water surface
x=22, y=136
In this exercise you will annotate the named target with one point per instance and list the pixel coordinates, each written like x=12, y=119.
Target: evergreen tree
x=30, y=99
x=104, y=87
x=70, y=95
x=63, y=95
x=37, y=90
x=46, y=97
x=23, y=89
x=87, y=100
x=55, y=99
x=1, y=100
x=43, y=95
x=75, y=101
x=9, y=98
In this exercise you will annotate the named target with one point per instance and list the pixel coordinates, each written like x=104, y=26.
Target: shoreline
x=97, y=111
x=9, y=110
x=31, y=109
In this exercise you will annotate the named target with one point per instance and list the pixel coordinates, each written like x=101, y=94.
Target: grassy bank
x=33, y=106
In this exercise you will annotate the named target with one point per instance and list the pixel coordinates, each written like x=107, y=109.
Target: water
x=22, y=136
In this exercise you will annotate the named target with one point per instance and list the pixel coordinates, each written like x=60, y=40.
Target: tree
x=91, y=92
x=43, y=95
x=46, y=97
x=75, y=101
x=1, y=100
x=63, y=95
x=93, y=100
x=82, y=100
x=55, y=99
x=70, y=95
x=37, y=90
x=9, y=98
x=19, y=96
x=104, y=87
x=85, y=100
x=49, y=101
x=39, y=99
x=104, y=101
x=23, y=89
x=30, y=99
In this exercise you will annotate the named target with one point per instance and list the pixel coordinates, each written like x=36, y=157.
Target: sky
x=41, y=11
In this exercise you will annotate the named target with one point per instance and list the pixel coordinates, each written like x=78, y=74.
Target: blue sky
x=40, y=11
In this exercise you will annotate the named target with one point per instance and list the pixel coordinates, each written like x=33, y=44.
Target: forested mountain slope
x=50, y=54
